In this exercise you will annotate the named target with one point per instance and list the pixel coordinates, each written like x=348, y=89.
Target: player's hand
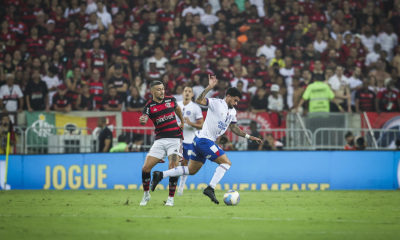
x=212, y=81
x=143, y=119
x=187, y=121
x=182, y=125
x=258, y=140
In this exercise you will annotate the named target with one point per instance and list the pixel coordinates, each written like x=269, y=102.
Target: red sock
x=146, y=181
x=173, y=181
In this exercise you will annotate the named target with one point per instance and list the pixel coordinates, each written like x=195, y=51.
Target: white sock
x=183, y=181
x=175, y=172
x=219, y=173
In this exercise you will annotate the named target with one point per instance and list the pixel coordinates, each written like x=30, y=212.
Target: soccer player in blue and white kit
x=193, y=118
x=221, y=114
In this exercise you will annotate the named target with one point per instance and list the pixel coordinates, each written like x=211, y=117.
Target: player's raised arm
x=236, y=130
x=201, y=99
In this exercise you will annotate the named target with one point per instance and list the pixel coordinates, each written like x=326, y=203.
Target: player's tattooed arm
x=236, y=130
x=201, y=99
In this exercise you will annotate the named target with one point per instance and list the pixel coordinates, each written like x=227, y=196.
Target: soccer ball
x=231, y=197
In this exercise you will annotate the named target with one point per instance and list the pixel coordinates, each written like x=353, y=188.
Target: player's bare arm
x=178, y=112
x=198, y=124
x=236, y=130
x=212, y=81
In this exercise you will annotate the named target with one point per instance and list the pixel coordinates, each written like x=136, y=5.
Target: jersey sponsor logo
x=222, y=125
x=165, y=118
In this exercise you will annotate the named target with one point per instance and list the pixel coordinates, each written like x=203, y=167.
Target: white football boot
x=170, y=202
x=145, y=199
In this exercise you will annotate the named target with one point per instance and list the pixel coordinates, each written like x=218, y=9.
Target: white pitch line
x=198, y=217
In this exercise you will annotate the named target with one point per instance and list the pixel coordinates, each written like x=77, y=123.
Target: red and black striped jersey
x=163, y=116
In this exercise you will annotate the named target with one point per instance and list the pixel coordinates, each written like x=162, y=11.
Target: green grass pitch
x=115, y=214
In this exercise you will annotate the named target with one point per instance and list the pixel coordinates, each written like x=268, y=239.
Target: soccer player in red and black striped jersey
x=161, y=110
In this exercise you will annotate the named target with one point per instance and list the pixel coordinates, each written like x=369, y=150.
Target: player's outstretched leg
x=157, y=177
x=209, y=192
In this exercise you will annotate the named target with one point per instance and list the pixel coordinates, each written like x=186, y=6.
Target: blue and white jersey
x=193, y=112
x=218, y=118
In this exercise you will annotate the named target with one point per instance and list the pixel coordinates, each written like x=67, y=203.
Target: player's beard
x=160, y=98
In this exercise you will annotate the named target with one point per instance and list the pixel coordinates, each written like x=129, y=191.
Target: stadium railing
x=291, y=139
x=43, y=140
x=374, y=139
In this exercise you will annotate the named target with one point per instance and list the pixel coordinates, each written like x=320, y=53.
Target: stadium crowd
x=101, y=55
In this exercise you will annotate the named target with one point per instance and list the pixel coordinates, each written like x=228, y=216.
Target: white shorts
x=165, y=147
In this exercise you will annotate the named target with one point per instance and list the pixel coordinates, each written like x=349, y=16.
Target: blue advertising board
x=292, y=170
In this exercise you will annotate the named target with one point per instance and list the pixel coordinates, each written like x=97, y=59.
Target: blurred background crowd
x=101, y=55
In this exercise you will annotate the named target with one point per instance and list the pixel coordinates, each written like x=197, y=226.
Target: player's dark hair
x=234, y=92
x=155, y=83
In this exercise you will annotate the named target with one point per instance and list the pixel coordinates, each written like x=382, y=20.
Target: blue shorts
x=205, y=149
x=188, y=148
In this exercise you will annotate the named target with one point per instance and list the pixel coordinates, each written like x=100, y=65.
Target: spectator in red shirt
x=202, y=70
x=118, y=29
x=244, y=102
x=112, y=102
x=165, y=13
x=345, y=48
x=96, y=88
x=78, y=60
x=61, y=103
x=34, y=43
x=7, y=37
x=388, y=99
x=365, y=98
x=183, y=58
x=94, y=26
x=96, y=58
